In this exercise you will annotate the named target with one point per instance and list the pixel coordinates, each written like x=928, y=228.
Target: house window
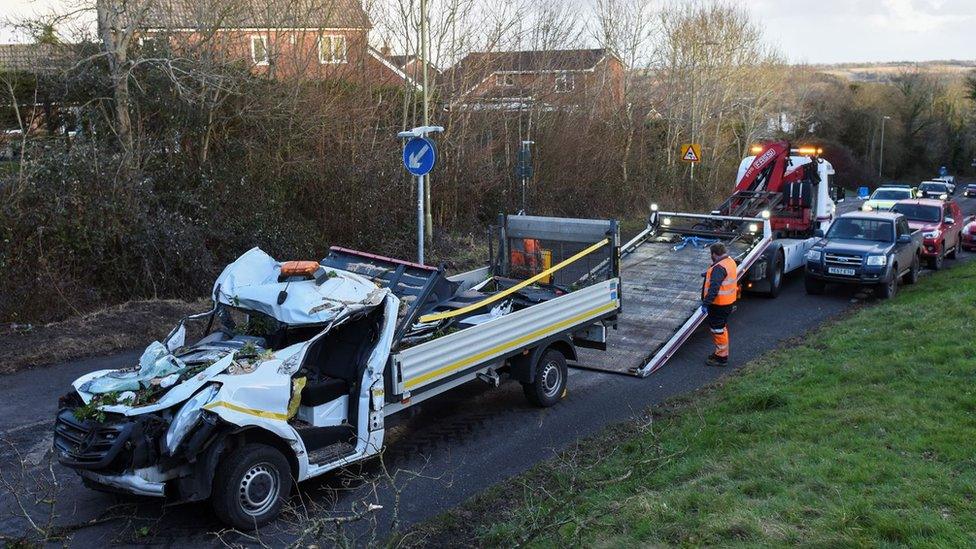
x=332, y=49
x=149, y=43
x=259, y=50
x=505, y=80
x=565, y=82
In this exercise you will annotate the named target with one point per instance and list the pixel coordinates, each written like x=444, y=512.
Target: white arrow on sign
x=414, y=160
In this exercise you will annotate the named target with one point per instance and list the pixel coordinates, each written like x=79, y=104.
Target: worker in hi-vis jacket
x=718, y=296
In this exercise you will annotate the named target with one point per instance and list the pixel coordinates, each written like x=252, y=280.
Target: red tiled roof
x=246, y=14
x=476, y=66
x=28, y=57
x=533, y=60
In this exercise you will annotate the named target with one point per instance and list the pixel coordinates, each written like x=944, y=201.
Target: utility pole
x=525, y=170
x=424, y=45
x=881, y=159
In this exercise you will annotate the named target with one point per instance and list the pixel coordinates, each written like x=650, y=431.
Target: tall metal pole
x=420, y=219
x=429, y=232
x=881, y=159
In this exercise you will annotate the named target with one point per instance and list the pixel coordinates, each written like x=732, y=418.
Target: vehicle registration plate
x=840, y=271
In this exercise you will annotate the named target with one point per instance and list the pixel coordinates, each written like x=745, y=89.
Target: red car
x=941, y=225
x=968, y=242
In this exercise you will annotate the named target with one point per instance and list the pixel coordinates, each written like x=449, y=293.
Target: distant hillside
x=882, y=72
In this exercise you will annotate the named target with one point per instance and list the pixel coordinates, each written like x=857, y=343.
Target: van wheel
x=251, y=486
x=549, y=385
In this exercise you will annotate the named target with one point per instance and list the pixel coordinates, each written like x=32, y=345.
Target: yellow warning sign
x=691, y=152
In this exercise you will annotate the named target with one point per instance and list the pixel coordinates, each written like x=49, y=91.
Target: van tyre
x=251, y=486
x=814, y=286
x=549, y=383
x=911, y=277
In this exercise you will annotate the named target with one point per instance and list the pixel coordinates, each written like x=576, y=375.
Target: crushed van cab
x=297, y=366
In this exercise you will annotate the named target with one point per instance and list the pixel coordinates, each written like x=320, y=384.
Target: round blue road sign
x=419, y=155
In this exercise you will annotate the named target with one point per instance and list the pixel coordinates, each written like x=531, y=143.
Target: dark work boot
x=717, y=361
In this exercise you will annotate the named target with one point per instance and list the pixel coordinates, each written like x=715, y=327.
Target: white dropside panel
x=449, y=355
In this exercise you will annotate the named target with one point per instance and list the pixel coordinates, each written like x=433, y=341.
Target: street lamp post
x=881, y=159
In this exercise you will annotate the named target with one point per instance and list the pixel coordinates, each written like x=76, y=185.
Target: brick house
x=412, y=65
x=313, y=39
x=548, y=79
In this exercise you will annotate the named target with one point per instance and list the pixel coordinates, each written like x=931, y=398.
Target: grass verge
x=862, y=433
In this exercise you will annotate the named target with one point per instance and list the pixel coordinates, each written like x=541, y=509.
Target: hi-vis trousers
x=718, y=316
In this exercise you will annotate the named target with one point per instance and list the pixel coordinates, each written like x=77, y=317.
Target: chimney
x=385, y=50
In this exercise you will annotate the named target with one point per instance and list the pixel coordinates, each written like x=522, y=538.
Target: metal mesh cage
x=533, y=245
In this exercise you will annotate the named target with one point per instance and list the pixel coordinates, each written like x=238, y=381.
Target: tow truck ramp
x=661, y=283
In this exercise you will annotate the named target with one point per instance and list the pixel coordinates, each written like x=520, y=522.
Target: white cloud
x=916, y=16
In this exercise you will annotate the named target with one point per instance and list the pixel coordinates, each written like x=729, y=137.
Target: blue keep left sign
x=419, y=155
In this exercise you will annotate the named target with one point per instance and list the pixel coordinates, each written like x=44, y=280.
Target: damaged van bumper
x=126, y=455
x=129, y=483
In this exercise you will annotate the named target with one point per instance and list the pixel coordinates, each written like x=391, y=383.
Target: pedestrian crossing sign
x=691, y=152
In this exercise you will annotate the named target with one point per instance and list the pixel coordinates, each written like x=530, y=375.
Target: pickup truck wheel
x=912, y=276
x=814, y=286
x=550, y=380
x=935, y=263
x=954, y=253
x=251, y=485
x=887, y=290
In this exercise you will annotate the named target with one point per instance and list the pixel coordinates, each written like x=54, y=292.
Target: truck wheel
x=954, y=253
x=936, y=262
x=549, y=385
x=814, y=286
x=887, y=290
x=912, y=276
x=251, y=485
x=775, y=275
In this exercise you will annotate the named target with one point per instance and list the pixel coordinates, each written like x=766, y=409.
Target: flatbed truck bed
x=661, y=286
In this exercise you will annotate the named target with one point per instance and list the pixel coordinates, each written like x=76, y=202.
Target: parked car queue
x=866, y=247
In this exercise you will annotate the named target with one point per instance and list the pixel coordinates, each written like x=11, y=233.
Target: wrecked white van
x=294, y=371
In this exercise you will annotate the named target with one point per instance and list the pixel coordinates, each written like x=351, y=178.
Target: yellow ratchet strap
x=517, y=287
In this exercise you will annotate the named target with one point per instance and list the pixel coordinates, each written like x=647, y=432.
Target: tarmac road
x=461, y=443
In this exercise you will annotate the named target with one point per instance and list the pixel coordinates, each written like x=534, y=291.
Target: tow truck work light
x=756, y=149
x=810, y=151
x=765, y=214
x=753, y=228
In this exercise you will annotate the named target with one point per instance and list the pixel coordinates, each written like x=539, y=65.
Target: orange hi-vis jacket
x=729, y=286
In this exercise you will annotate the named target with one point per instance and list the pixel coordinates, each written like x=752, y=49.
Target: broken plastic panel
x=156, y=362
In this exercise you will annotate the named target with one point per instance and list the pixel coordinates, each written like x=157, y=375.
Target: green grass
x=862, y=433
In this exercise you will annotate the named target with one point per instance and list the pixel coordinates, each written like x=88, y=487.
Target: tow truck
x=780, y=203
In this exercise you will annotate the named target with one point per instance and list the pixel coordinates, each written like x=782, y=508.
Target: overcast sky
x=812, y=31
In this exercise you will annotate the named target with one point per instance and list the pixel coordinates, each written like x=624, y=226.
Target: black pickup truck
x=865, y=248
